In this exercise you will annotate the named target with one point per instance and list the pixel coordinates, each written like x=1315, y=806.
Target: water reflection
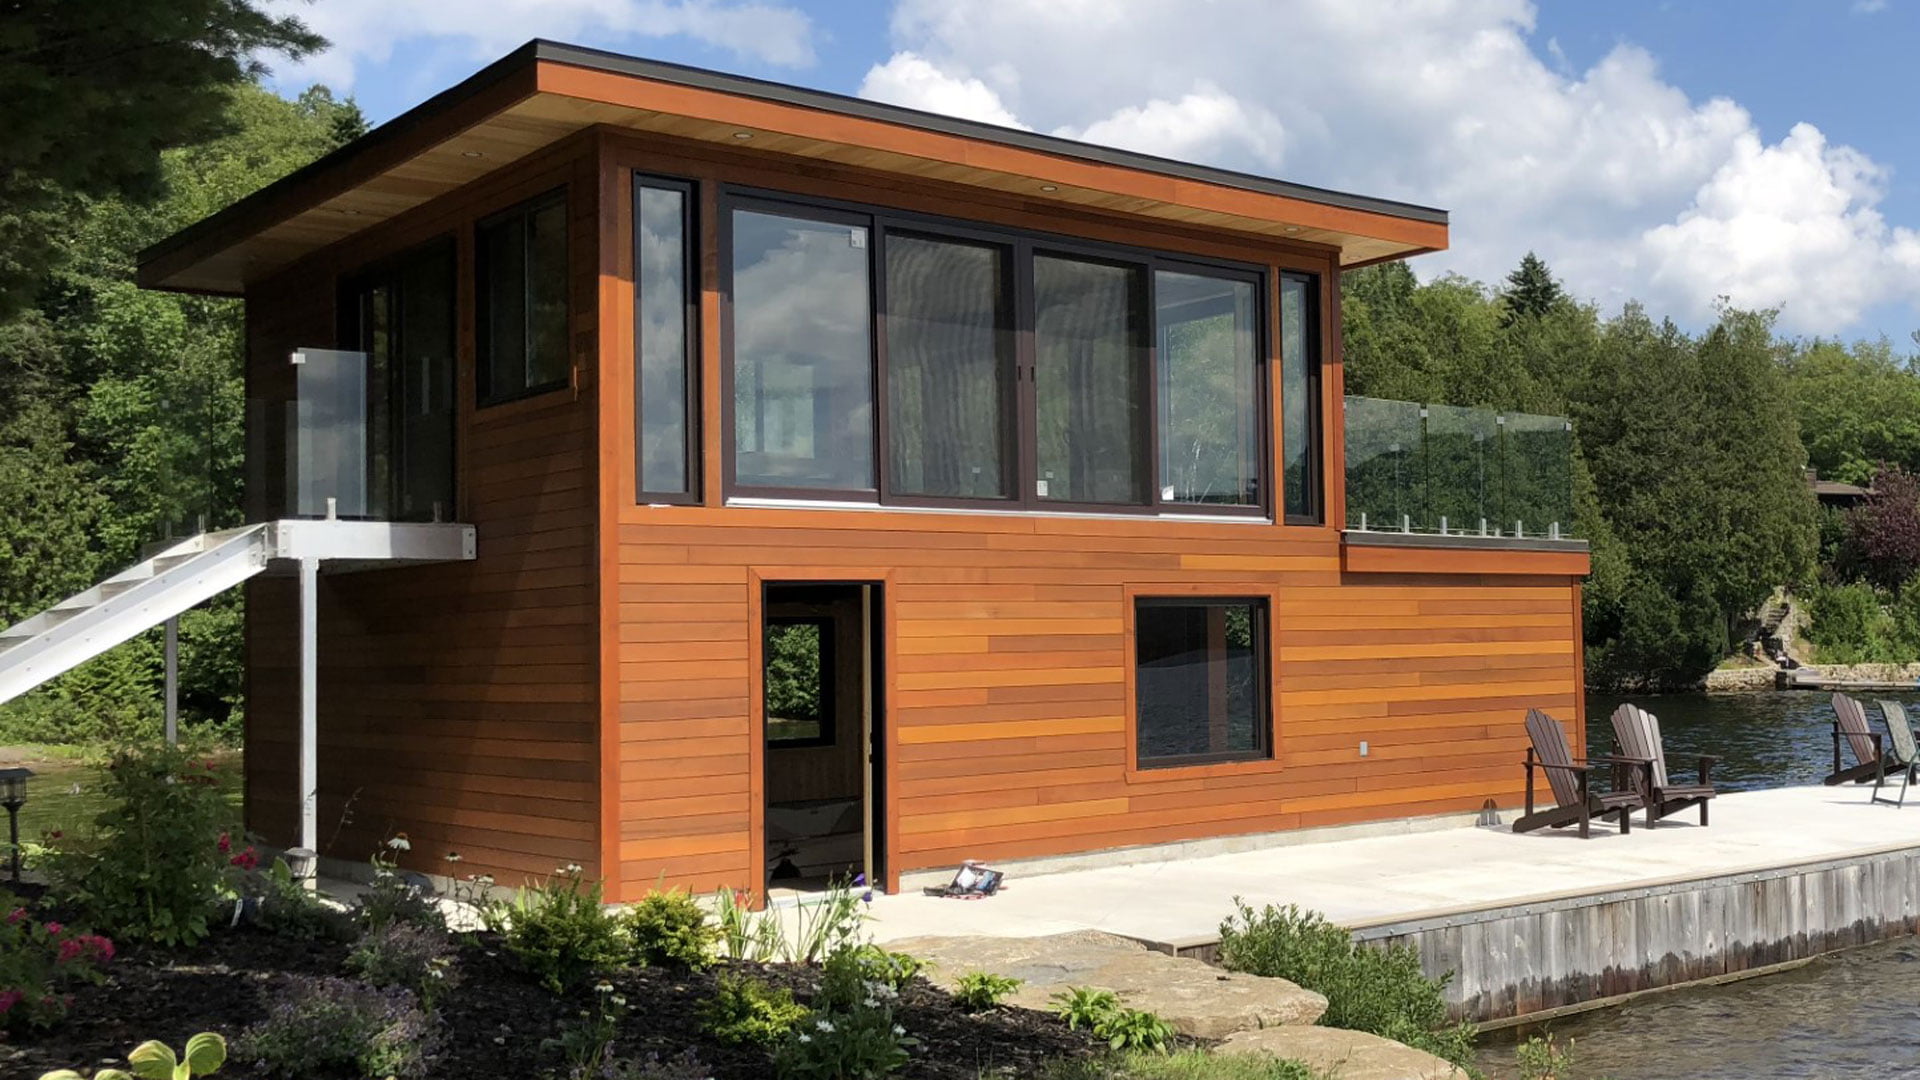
x=1763, y=740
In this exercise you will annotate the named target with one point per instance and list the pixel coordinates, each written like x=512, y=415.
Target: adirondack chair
x=1568, y=778
x=1869, y=751
x=1637, y=732
x=1903, y=748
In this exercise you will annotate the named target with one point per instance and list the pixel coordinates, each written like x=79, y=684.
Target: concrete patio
x=1394, y=879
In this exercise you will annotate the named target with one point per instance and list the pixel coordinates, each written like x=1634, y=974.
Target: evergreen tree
x=1531, y=291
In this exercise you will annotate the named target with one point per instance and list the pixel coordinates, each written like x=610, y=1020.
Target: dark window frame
x=1260, y=629
x=730, y=202
x=353, y=326
x=1314, y=458
x=484, y=395
x=1024, y=244
x=690, y=255
x=828, y=628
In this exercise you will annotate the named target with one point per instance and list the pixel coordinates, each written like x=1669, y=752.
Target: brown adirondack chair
x=1904, y=750
x=1568, y=777
x=1871, y=759
x=1637, y=732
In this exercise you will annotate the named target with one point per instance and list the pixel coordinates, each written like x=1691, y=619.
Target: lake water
x=1856, y=1014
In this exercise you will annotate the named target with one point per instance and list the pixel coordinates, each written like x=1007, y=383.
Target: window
x=881, y=356
x=1089, y=322
x=1207, y=385
x=402, y=316
x=521, y=286
x=1200, y=680
x=949, y=345
x=802, y=334
x=1300, y=399
x=664, y=340
x=797, y=682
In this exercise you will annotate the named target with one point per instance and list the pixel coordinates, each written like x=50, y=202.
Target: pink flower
x=226, y=843
x=10, y=998
x=16, y=915
x=70, y=950
x=54, y=928
x=246, y=860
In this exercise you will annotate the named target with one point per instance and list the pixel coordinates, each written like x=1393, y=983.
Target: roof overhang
x=544, y=91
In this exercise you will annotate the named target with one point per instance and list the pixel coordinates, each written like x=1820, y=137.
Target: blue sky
x=1674, y=152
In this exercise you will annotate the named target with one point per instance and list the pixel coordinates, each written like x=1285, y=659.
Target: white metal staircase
x=84, y=626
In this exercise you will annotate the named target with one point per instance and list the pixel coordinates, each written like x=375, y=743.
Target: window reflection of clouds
x=803, y=397
x=1207, y=360
x=662, y=277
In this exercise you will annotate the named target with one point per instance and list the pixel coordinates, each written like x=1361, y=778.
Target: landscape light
x=13, y=795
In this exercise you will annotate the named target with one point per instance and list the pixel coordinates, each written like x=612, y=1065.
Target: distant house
x=1836, y=494
x=827, y=486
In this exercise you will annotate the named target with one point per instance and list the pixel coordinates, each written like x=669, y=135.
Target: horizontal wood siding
x=458, y=703
x=1007, y=654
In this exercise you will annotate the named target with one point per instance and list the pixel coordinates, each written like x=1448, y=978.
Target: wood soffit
x=544, y=92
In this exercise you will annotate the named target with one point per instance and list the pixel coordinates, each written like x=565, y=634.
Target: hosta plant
x=155, y=1060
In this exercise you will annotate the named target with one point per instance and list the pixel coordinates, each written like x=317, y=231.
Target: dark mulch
x=497, y=1020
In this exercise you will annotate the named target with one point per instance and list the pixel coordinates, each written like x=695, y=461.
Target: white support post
x=310, y=708
x=173, y=680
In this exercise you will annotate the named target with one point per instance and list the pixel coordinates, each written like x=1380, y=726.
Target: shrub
x=320, y=1026
x=401, y=954
x=1850, y=624
x=155, y=1060
x=894, y=969
x=1079, y=1005
x=1135, y=1029
x=156, y=864
x=1544, y=1059
x=685, y=1065
x=745, y=1011
x=670, y=929
x=850, y=1034
x=559, y=931
x=291, y=910
x=394, y=897
x=587, y=1044
x=1380, y=991
x=979, y=991
x=39, y=961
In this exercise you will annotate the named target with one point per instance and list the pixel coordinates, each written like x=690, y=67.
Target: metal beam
x=173, y=680
x=310, y=706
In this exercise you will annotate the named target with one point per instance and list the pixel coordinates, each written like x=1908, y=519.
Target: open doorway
x=821, y=701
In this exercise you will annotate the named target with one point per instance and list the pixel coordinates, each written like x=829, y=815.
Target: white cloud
x=1869, y=7
x=1625, y=184
x=463, y=32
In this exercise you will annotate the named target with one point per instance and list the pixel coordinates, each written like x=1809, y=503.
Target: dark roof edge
x=826, y=101
x=383, y=135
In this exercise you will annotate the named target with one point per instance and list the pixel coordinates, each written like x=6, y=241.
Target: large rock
x=1343, y=1054
x=1197, y=998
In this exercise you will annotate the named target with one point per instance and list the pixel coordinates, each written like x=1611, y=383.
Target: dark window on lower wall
x=1300, y=399
x=949, y=369
x=520, y=283
x=1200, y=680
x=802, y=353
x=664, y=339
x=797, y=682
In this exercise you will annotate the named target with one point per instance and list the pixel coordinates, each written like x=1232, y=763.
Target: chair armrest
x=1537, y=764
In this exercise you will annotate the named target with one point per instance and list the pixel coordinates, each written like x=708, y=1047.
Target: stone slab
x=1343, y=1054
x=1197, y=998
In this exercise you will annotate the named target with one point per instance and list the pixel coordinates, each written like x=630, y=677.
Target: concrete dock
x=1529, y=923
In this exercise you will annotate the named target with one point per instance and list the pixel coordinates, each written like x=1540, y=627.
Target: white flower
x=453, y=856
x=805, y=1038
x=618, y=1001
x=603, y=988
x=871, y=1004
x=825, y=1026
x=399, y=842
x=898, y=1030
x=437, y=972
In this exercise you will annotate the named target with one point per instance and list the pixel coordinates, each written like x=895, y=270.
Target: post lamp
x=13, y=795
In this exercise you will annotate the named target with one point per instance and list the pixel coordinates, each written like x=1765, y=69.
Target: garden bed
x=497, y=1020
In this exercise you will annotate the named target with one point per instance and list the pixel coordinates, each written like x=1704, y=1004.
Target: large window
x=874, y=356
x=663, y=338
x=1089, y=345
x=1300, y=399
x=802, y=353
x=521, y=285
x=1200, y=680
x=402, y=316
x=949, y=345
x=1207, y=383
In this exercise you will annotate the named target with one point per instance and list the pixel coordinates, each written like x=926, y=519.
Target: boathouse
x=839, y=487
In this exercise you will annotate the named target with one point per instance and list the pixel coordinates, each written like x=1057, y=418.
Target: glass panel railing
x=1386, y=473
x=327, y=435
x=1459, y=471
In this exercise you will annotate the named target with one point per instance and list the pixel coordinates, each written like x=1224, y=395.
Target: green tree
x=1531, y=291
x=96, y=91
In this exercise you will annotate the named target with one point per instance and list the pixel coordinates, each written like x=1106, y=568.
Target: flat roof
x=543, y=90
